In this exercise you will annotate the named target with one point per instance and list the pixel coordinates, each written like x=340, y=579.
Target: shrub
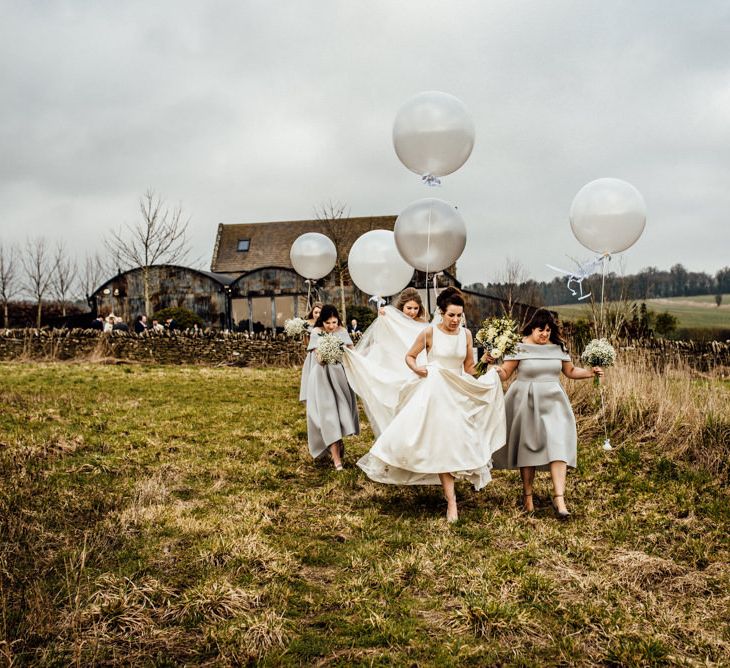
x=702, y=334
x=666, y=323
x=183, y=318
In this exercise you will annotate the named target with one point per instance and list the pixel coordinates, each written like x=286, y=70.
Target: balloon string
x=435, y=284
x=580, y=274
x=428, y=263
x=603, y=288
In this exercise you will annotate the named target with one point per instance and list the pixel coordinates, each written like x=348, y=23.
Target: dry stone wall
x=209, y=348
x=257, y=350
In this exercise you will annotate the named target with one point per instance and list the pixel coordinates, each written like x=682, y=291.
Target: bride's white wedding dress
x=448, y=422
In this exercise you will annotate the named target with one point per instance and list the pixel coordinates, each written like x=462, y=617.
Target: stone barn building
x=201, y=292
x=253, y=285
x=266, y=290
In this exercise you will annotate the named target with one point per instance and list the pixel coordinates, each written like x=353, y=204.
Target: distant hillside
x=699, y=312
x=649, y=284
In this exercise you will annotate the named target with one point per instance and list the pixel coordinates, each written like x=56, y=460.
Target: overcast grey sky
x=247, y=111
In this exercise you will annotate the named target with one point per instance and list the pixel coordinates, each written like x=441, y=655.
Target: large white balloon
x=433, y=134
x=313, y=255
x=608, y=215
x=430, y=234
x=375, y=265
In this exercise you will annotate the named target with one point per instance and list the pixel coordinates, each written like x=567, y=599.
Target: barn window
x=243, y=245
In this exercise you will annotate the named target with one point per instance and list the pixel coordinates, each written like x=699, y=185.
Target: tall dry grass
x=173, y=516
x=679, y=412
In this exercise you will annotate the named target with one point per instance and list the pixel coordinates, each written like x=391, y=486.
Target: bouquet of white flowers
x=330, y=349
x=599, y=352
x=295, y=327
x=499, y=337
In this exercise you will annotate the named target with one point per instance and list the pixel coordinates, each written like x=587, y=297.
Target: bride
x=446, y=424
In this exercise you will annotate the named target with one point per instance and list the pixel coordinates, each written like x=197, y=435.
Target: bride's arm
x=469, y=359
x=422, y=341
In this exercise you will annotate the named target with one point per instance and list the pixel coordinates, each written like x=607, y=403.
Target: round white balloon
x=608, y=215
x=430, y=234
x=433, y=134
x=313, y=255
x=375, y=265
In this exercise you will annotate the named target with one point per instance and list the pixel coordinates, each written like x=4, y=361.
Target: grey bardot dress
x=540, y=421
x=331, y=404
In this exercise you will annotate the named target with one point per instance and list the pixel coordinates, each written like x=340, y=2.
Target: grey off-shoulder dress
x=331, y=404
x=540, y=421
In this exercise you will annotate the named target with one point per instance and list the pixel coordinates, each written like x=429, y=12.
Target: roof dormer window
x=243, y=245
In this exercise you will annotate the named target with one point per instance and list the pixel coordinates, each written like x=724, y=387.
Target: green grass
x=162, y=516
x=692, y=312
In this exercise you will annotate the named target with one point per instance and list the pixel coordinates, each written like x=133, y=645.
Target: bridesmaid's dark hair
x=327, y=312
x=543, y=318
x=450, y=296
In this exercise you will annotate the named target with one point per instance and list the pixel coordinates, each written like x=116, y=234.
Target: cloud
x=255, y=111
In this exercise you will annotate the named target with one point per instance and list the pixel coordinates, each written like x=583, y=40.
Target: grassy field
x=162, y=516
x=700, y=311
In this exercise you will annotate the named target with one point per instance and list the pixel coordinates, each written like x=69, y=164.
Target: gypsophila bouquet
x=330, y=349
x=295, y=327
x=499, y=336
x=599, y=352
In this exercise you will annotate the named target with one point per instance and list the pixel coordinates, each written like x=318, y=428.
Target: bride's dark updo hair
x=450, y=296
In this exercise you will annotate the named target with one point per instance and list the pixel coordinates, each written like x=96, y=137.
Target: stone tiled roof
x=269, y=243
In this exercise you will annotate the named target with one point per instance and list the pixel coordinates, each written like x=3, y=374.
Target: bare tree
x=64, y=275
x=331, y=215
x=160, y=237
x=91, y=275
x=514, y=288
x=9, y=285
x=38, y=268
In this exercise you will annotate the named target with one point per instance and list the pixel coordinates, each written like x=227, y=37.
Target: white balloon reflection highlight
x=433, y=134
x=375, y=265
x=313, y=255
x=608, y=215
x=430, y=234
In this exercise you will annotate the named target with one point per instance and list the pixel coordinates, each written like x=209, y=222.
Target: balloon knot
x=431, y=180
x=378, y=300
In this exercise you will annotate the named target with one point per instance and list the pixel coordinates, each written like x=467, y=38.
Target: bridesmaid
x=313, y=314
x=311, y=319
x=331, y=405
x=541, y=430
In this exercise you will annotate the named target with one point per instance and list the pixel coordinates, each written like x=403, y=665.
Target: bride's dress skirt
x=377, y=368
x=447, y=422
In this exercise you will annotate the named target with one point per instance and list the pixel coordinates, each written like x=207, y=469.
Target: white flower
x=599, y=352
x=330, y=349
x=499, y=336
x=295, y=327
